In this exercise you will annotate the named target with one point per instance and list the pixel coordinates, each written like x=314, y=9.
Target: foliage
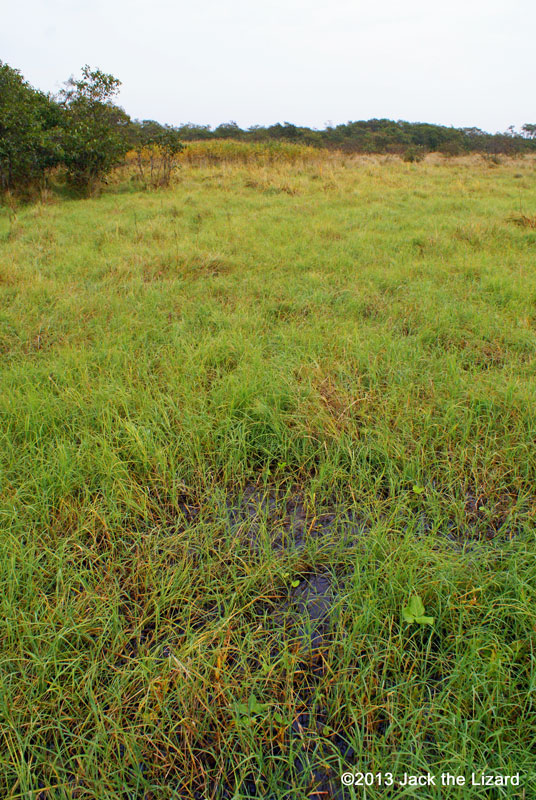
x=157, y=147
x=415, y=612
x=414, y=154
x=94, y=129
x=375, y=136
x=28, y=127
x=227, y=130
x=87, y=133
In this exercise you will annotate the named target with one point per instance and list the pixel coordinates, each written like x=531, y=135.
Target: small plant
x=414, y=612
x=294, y=583
x=246, y=712
x=250, y=709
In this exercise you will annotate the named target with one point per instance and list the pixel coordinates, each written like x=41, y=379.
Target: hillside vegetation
x=247, y=420
x=84, y=133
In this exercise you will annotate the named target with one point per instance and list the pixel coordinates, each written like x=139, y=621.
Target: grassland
x=243, y=421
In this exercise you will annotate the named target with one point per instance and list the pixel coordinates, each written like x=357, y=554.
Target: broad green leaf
x=416, y=606
x=254, y=706
x=414, y=612
x=241, y=709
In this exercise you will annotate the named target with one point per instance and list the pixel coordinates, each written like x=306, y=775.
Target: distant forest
x=373, y=136
x=83, y=131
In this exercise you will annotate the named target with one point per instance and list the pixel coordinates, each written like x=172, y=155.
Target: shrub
x=157, y=147
x=493, y=159
x=451, y=148
x=95, y=130
x=414, y=153
x=29, y=119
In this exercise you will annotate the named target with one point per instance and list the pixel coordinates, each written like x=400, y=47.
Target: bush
x=157, y=147
x=95, y=130
x=29, y=142
x=451, y=149
x=414, y=153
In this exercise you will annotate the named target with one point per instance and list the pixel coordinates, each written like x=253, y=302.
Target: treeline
x=83, y=131
x=377, y=136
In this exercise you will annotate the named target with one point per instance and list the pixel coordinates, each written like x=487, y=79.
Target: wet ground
x=289, y=523
x=302, y=619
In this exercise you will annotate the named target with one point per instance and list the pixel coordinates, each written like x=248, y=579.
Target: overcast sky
x=457, y=62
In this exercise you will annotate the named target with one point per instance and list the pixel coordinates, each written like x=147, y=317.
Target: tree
x=228, y=130
x=529, y=130
x=29, y=120
x=285, y=131
x=95, y=130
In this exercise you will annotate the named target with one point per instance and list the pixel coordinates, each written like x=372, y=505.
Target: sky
x=310, y=62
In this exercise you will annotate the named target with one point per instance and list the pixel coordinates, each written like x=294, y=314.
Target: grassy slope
x=353, y=331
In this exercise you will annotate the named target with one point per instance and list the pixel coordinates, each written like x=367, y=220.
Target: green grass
x=358, y=334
